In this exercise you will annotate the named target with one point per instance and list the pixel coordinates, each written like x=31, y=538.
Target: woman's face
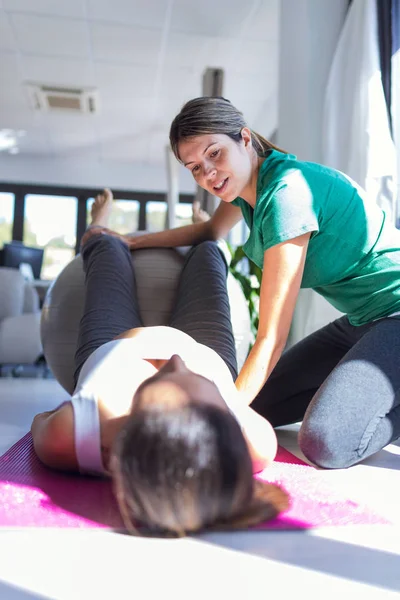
x=220, y=165
x=174, y=385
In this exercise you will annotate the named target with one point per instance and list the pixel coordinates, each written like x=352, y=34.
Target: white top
x=113, y=370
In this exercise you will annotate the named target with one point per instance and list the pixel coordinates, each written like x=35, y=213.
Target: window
x=156, y=213
x=238, y=234
x=183, y=214
x=50, y=223
x=124, y=215
x=6, y=217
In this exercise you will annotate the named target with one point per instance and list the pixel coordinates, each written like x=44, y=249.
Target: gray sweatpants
x=343, y=382
x=201, y=308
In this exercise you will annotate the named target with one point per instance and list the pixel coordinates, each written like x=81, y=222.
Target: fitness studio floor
x=348, y=562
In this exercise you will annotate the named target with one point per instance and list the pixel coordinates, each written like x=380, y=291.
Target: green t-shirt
x=353, y=256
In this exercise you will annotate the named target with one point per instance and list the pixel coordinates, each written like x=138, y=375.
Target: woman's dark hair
x=208, y=115
x=183, y=469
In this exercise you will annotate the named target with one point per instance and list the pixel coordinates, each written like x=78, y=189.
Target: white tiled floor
x=354, y=562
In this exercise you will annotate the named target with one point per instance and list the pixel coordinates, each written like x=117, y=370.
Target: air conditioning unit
x=48, y=98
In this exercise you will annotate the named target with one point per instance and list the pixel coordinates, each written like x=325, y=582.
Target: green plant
x=249, y=276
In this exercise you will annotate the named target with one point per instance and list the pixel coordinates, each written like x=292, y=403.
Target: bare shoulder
x=257, y=431
x=53, y=438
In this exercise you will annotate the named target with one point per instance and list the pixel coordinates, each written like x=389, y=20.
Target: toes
x=108, y=194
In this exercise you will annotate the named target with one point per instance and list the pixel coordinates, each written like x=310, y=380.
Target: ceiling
x=145, y=57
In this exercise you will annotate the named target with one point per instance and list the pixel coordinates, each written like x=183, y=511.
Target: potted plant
x=249, y=276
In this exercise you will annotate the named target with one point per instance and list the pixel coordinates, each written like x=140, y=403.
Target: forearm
x=188, y=235
x=282, y=275
x=258, y=366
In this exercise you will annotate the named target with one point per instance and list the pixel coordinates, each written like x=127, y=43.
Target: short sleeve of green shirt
x=353, y=256
x=286, y=212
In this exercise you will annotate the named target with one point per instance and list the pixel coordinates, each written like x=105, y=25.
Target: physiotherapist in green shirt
x=310, y=227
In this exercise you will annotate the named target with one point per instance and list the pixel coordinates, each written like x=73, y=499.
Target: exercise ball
x=157, y=273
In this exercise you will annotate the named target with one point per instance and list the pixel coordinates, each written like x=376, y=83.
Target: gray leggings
x=343, y=382
x=201, y=309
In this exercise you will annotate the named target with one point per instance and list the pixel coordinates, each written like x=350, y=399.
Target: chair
x=19, y=320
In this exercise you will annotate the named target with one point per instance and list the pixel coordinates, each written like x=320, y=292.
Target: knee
x=100, y=238
x=211, y=251
x=207, y=247
x=326, y=446
x=109, y=240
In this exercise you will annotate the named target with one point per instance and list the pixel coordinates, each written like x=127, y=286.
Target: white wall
x=396, y=118
x=309, y=32
x=85, y=173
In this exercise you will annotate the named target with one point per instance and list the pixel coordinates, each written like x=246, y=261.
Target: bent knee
x=326, y=450
x=211, y=252
x=100, y=237
x=207, y=246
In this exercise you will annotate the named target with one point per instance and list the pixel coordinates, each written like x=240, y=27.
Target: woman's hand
x=133, y=241
x=103, y=230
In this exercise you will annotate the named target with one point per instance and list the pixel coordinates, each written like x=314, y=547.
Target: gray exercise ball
x=157, y=273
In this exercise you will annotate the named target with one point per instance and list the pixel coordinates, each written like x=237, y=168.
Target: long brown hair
x=208, y=115
x=188, y=468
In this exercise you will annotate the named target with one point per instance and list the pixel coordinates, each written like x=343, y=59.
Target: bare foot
x=198, y=214
x=101, y=208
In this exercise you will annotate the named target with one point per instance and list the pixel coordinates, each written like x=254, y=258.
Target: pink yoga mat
x=33, y=496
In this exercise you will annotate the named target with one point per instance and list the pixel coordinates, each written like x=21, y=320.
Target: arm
x=282, y=274
x=260, y=438
x=257, y=431
x=53, y=438
x=225, y=217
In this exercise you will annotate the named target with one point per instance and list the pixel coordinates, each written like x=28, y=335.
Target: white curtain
x=395, y=108
x=356, y=136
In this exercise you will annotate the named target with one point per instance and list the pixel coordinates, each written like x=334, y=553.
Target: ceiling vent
x=51, y=98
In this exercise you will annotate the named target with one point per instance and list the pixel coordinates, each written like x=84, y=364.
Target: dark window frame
x=20, y=190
